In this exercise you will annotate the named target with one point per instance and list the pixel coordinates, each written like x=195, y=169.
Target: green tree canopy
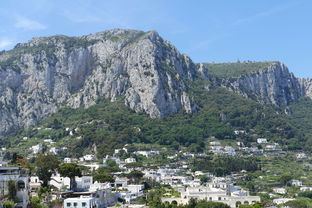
x=70, y=170
x=46, y=165
x=103, y=178
x=8, y=204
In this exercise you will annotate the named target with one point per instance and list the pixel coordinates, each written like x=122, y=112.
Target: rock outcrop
x=306, y=84
x=146, y=71
x=273, y=85
x=46, y=73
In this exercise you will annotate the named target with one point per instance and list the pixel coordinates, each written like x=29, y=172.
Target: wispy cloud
x=206, y=43
x=103, y=18
x=5, y=43
x=28, y=24
x=73, y=17
x=266, y=13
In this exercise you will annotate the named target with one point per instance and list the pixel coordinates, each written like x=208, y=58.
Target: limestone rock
x=40, y=76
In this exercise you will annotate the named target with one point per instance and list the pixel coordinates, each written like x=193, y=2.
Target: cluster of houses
x=217, y=190
x=261, y=147
x=90, y=193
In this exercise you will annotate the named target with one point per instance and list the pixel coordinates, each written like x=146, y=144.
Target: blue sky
x=206, y=30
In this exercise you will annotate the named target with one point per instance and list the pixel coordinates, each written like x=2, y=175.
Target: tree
x=102, y=178
x=56, y=124
x=8, y=204
x=299, y=203
x=15, y=157
x=203, y=179
x=285, y=179
x=135, y=175
x=35, y=202
x=11, y=190
x=111, y=162
x=46, y=165
x=306, y=194
x=206, y=204
x=257, y=205
x=70, y=170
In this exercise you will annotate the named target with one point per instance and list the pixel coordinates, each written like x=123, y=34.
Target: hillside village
x=146, y=176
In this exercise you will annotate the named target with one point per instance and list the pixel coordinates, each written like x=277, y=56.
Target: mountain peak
x=47, y=73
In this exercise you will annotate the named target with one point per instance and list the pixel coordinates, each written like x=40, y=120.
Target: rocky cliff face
x=39, y=77
x=306, y=84
x=44, y=74
x=273, y=85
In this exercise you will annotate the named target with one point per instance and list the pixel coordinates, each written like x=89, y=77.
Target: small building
x=296, y=183
x=34, y=183
x=271, y=147
x=147, y=153
x=282, y=200
x=130, y=160
x=239, y=132
x=89, y=157
x=305, y=188
x=262, y=141
x=301, y=156
x=36, y=149
x=280, y=190
x=53, y=150
x=215, y=143
x=67, y=160
x=81, y=202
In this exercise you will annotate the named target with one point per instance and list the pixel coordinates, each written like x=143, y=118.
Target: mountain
x=47, y=73
x=125, y=86
x=267, y=82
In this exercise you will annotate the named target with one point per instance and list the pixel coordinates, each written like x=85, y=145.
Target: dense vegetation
x=221, y=166
x=234, y=70
x=301, y=116
x=110, y=125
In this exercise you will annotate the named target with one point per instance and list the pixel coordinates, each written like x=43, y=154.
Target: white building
x=301, y=156
x=67, y=160
x=238, y=132
x=296, y=183
x=305, y=188
x=282, y=200
x=130, y=160
x=84, y=183
x=262, y=141
x=53, y=150
x=271, y=146
x=147, y=153
x=21, y=178
x=36, y=149
x=82, y=202
x=230, y=151
x=34, y=183
x=280, y=190
x=213, y=194
x=89, y=157
x=215, y=143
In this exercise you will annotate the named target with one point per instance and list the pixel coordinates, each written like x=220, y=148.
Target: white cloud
x=81, y=18
x=5, y=43
x=28, y=24
x=262, y=14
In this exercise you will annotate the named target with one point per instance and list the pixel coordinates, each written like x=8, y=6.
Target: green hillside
x=110, y=125
x=301, y=116
x=235, y=70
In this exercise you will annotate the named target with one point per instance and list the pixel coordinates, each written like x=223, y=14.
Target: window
x=84, y=204
x=75, y=204
x=68, y=204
